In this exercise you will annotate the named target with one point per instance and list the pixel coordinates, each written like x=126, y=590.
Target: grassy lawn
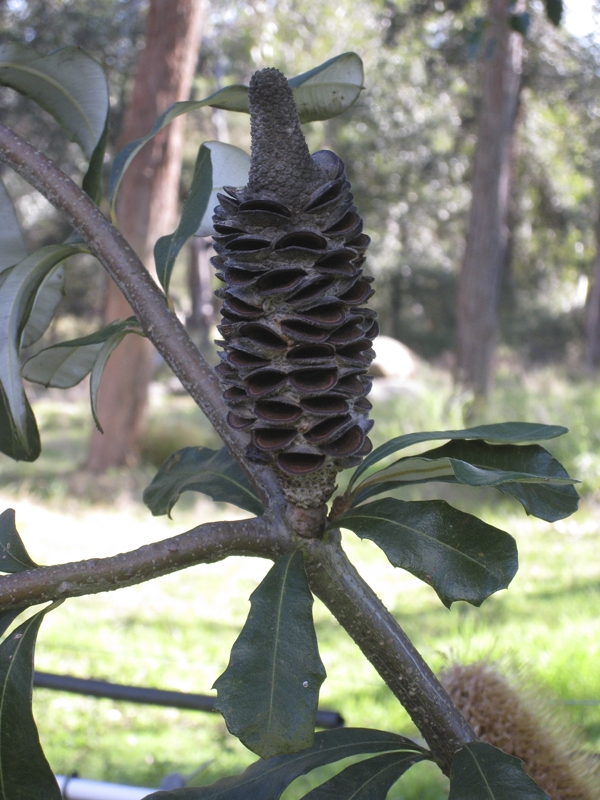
x=176, y=632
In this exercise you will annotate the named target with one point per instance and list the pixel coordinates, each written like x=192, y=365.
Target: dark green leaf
x=267, y=780
x=92, y=180
x=321, y=93
x=368, y=780
x=482, y=772
x=24, y=772
x=554, y=11
x=528, y=472
x=194, y=209
x=48, y=296
x=550, y=499
x=7, y=618
x=67, y=83
x=501, y=433
x=520, y=23
x=20, y=445
x=19, y=290
x=12, y=246
x=460, y=556
x=66, y=364
x=270, y=690
x=198, y=469
x=13, y=555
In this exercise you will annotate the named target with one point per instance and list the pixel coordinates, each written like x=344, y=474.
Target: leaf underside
x=527, y=472
x=500, y=433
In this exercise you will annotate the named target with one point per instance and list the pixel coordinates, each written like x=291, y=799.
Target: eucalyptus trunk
x=487, y=236
x=147, y=209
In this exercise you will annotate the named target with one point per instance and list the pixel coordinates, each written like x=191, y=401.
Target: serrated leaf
x=67, y=363
x=268, y=779
x=68, y=84
x=230, y=167
x=13, y=555
x=269, y=692
x=329, y=89
x=482, y=772
x=501, y=433
x=321, y=93
x=368, y=780
x=48, y=296
x=12, y=246
x=24, y=771
x=194, y=209
x=458, y=555
x=199, y=469
x=528, y=472
x=19, y=289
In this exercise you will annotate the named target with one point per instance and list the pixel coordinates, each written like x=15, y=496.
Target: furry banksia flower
x=296, y=335
x=519, y=722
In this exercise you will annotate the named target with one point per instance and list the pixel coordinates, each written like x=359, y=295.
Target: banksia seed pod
x=297, y=340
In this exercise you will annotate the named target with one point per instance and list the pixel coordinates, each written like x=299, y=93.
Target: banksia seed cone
x=297, y=339
x=518, y=723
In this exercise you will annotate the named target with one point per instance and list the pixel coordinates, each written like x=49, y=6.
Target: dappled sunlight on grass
x=176, y=632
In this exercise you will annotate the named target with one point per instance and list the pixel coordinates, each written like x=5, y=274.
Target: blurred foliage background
x=408, y=144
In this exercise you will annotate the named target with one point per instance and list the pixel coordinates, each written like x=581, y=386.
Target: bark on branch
x=332, y=576
x=364, y=617
x=204, y=544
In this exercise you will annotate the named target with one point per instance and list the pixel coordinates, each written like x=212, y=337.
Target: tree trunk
x=592, y=323
x=146, y=210
x=485, y=250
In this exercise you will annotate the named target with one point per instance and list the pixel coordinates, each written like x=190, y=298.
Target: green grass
x=176, y=632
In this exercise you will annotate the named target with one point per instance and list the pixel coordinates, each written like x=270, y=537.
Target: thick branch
x=364, y=617
x=159, y=324
x=332, y=576
x=204, y=544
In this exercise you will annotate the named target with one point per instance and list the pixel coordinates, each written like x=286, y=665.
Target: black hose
x=154, y=697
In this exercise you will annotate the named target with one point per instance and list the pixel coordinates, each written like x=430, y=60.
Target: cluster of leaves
x=268, y=694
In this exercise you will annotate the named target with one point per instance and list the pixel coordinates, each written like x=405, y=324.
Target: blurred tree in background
x=409, y=144
x=147, y=209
